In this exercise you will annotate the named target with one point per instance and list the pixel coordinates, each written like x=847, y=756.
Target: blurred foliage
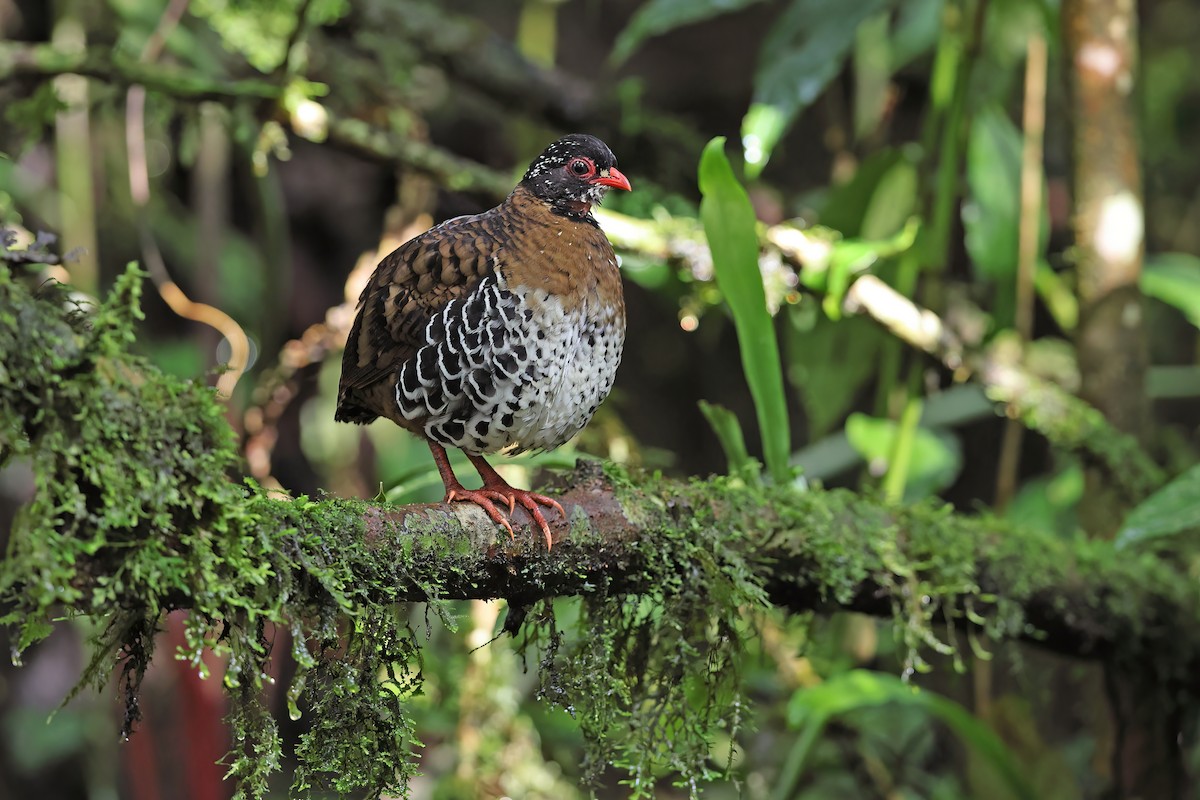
x=810, y=711
x=1172, y=510
x=887, y=134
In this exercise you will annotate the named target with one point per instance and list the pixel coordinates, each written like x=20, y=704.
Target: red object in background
x=173, y=755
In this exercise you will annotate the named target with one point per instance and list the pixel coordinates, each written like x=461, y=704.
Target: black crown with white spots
x=566, y=171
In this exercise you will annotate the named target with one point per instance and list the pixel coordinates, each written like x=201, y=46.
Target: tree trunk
x=1102, y=45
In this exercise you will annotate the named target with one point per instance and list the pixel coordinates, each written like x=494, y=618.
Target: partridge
x=498, y=332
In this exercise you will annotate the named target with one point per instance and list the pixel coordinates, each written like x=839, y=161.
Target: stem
x=906, y=436
x=1029, y=237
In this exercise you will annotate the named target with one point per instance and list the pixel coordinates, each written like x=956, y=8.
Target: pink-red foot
x=530, y=501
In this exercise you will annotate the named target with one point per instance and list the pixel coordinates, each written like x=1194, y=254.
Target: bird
x=499, y=332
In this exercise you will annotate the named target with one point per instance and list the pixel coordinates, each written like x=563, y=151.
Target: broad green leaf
x=1173, y=509
x=991, y=212
x=829, y=363
x=999, y=63
x=833, y=455
x=660, y=16
x=915, y=32
x=936, y=455
x=811, y=709
x=804, y=52
x=730, y=227
x=725, y=424
x=1174, y=278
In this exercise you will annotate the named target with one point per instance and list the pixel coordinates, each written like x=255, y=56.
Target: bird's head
x=573, y=173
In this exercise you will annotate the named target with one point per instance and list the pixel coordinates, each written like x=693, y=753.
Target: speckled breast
x=512, y=369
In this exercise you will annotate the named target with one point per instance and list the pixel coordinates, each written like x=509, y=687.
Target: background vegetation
x=954, y=198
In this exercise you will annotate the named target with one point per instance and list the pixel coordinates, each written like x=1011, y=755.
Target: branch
x=814, y=550
x=22, y=59
x=136, y=461
x=450, y=170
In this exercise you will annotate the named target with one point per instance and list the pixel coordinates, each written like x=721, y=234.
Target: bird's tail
x=350, y=411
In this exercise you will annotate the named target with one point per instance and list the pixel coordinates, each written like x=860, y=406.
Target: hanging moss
x=138, y=512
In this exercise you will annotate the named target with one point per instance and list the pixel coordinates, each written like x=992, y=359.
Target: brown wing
x=408, y=287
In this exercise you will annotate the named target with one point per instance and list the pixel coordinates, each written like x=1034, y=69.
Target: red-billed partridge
x=496, y=332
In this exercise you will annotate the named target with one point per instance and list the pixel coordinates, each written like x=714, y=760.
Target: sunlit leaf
x=1174, y=278
x=833, y=455
x=1173, y=509
x=260, y=31
x=804, y=52
x=851, y=257
x=936, y=455
x=660, y=16
x=729, y=225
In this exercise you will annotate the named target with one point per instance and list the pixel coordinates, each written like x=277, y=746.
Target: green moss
x=652, y=677
x=136, y=513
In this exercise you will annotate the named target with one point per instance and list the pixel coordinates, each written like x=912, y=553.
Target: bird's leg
x=497, y=487
x=455, y=491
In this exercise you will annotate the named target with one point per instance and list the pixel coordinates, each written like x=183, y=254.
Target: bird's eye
x=581, y=167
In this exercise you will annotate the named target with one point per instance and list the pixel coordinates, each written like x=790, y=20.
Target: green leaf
x=829, y=363
x=730, y=227
x=1049, y=503
x=992, y=210
x=918, y=23
x=1174, y=278
x=804, y=52
x=810, y=710
x=1173, y=509
x=872, y=74
x=725, y=424
x=1059, y=298
x=848, y=259
x=847, y=203
x=261, y=31
x=892, y=203
x=936, y=455
x=660, y=16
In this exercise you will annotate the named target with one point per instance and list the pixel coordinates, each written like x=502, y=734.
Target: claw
x=502, y=497
x=483, y=500
x=529, y=501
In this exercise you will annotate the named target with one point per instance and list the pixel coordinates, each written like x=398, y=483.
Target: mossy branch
x=136, y=515
x=23, y=59
x=813, y=550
